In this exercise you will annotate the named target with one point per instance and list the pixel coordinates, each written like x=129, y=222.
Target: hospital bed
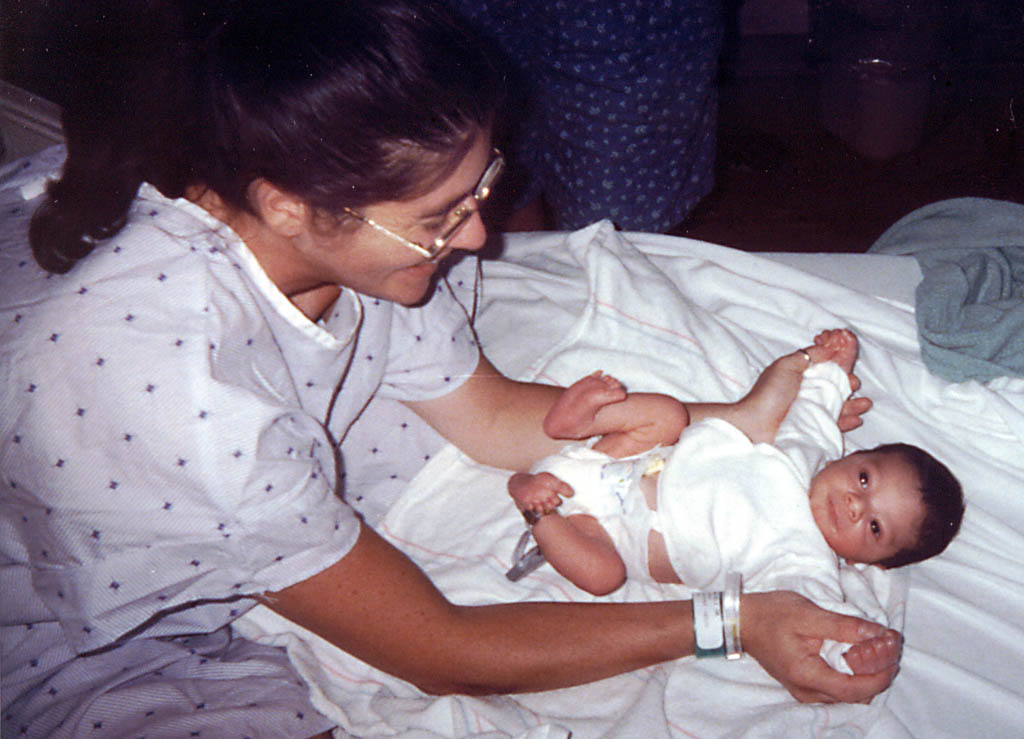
x=700, y=321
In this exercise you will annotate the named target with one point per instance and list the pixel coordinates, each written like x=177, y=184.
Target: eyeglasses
x=454, y=220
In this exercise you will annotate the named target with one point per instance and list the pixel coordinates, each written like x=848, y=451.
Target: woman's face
x=372, y=263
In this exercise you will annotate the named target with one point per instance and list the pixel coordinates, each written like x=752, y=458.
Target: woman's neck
x=315, y=301
x=275, y=254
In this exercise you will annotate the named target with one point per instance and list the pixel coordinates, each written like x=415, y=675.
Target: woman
x=238, y=257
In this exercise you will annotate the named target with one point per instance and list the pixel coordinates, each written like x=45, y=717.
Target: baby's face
x=868, y=506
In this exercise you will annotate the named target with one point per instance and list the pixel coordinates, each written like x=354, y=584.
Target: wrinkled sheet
x=700, y=321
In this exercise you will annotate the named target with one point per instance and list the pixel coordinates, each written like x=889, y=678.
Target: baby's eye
x=876, y=528
x=863, y=479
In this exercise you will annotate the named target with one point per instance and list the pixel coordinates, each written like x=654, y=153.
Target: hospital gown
x=168, y=454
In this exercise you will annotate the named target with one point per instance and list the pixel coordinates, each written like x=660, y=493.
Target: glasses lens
x=456, y=221
x=490, y=176
x=465, y=210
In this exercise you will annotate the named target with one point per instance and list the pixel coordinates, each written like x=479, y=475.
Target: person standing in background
x=620, y=107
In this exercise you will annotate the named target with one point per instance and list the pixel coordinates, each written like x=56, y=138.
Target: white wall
x=28, y=123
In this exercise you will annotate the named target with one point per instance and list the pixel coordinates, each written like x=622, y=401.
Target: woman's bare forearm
x=495, y=420
x=378, y=606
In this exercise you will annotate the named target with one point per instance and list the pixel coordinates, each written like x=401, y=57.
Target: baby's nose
x=854, y=506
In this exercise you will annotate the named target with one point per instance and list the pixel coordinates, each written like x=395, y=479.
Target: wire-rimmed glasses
x=455, y=219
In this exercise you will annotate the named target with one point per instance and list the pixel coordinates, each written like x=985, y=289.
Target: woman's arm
x=378, y=606
x=493, y=419
x=499, y=421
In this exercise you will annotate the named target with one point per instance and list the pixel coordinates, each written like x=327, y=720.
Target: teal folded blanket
x=970, y=303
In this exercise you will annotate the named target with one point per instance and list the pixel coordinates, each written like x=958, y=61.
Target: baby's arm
x=598, y=405
x=760, y=413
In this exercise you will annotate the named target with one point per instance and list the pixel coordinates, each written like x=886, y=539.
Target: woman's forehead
x=426, y=169
x=455, y=177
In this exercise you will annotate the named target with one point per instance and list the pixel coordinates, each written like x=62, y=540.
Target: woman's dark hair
x=943, y=500
x=338, y=102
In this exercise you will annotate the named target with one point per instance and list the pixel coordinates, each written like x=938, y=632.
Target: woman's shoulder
x=161, y=240
x=149, y=291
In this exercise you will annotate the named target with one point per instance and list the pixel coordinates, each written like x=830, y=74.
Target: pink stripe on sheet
x=348, y=677
x=658, y=327
x=551, y=582
x=671, y=332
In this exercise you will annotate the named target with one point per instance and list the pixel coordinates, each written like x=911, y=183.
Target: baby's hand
x=874, y=655
x=540, y=493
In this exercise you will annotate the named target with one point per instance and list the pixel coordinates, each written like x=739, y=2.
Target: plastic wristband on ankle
x=716, y=621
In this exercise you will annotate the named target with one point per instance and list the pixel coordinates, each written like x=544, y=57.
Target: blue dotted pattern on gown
x=623, y=108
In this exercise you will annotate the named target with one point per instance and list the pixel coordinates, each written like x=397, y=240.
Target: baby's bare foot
x=540, y=493
x=572, y=415
x=838, y=345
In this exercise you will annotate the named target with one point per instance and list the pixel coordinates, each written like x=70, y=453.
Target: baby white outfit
x=725, y=504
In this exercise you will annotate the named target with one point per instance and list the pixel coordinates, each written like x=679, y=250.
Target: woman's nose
x=473, y=234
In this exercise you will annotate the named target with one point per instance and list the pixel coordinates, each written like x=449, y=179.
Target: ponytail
x=89, y=203
x=123, y=125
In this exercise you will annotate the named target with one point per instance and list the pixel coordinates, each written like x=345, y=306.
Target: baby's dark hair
x=943, y=500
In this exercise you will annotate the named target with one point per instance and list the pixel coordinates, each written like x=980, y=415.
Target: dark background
x=934, y=91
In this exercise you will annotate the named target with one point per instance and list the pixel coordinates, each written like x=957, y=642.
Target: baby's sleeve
x=808, y=435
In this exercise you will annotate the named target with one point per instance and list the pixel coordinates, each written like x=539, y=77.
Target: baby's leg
x=762, y=410
x=574, y=413
x=839, y=345
x=580, y=550
x=640, y=422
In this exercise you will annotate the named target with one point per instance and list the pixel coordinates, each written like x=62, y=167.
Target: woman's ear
x=284, y=213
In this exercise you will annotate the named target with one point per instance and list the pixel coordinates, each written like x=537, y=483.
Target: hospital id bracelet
x=532, y=517
x=731, y=615
x=716, y=621
x=708, y=626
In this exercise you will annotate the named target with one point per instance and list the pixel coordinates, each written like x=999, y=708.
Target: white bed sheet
x=701, y=321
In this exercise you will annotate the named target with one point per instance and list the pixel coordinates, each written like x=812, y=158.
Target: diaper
x=607, y=489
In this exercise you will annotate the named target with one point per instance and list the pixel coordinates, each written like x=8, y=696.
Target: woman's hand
x=783, y=631
x=853, y=409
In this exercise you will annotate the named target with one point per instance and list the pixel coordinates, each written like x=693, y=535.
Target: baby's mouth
x=833, y=514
